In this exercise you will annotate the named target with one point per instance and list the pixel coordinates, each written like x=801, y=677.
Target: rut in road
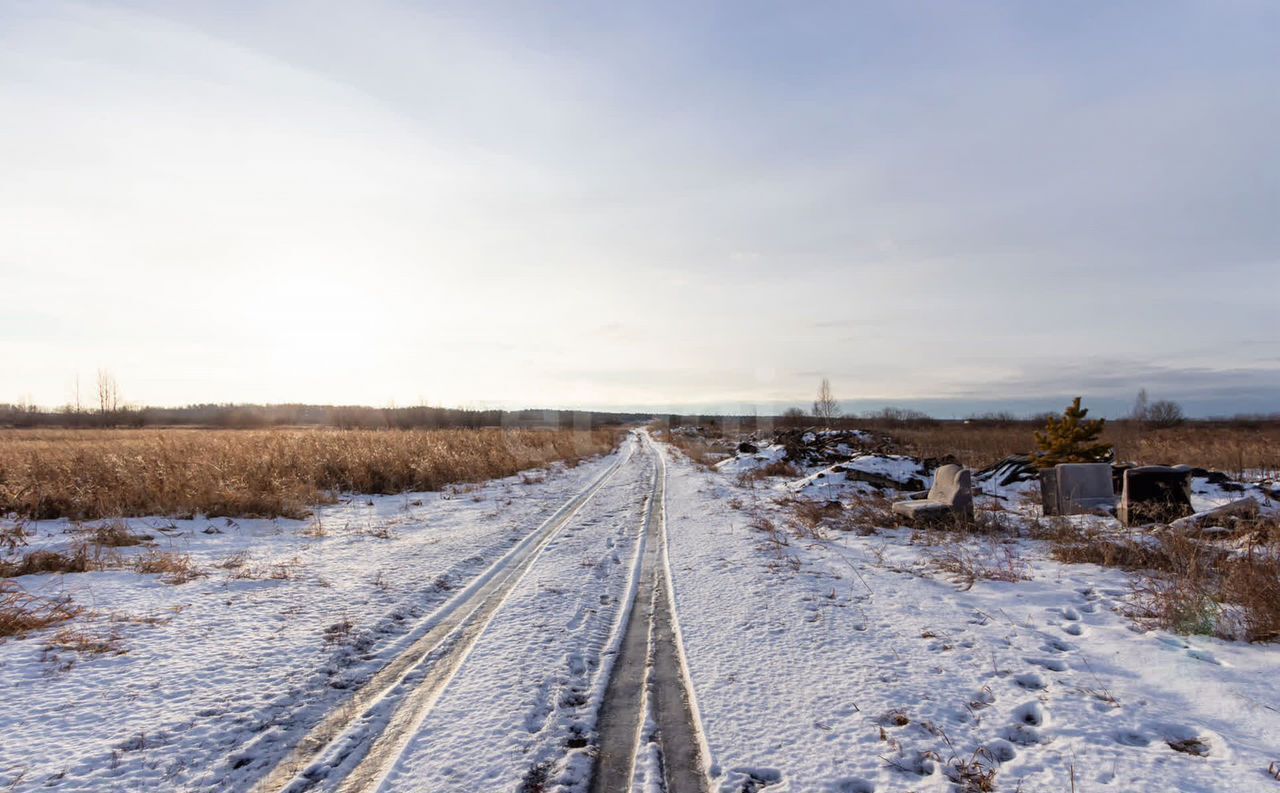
x=367, y=732
x=649, y=676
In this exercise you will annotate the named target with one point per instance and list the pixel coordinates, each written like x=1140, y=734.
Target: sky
x=671, y=206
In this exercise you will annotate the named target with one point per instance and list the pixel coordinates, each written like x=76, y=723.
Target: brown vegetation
x=1231, y=448
x=696, y=447
x=1188, y=585
x=257, y=473
x=42, y=561
x=21, y=611
x=173, y=568
x=990, y=561
x=82, y=641
x=117, y=535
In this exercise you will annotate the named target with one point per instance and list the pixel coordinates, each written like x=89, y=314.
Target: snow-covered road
x=426, y=642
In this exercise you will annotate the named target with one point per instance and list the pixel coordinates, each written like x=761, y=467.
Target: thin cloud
x=515, y=205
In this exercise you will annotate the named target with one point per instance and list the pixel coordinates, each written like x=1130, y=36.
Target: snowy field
x=825, y=661
x=217, y=675
x=854, y=663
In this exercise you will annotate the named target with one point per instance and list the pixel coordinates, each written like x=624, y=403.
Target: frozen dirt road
x=560, y=665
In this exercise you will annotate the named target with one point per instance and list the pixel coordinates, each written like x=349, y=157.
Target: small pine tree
x=1071, y=439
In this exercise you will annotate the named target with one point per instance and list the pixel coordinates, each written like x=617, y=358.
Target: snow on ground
x=857, y=664
x=842, y=663
x=1207, y=494
x=222, y=673
x=745, y=463
x=860, y=474
x=530, y=687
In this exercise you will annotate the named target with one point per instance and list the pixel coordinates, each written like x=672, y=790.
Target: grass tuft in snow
x=173, y=568
x=1187, y=584
x=20, y=611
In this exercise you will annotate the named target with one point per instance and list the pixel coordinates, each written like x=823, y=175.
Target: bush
x=1164, y=414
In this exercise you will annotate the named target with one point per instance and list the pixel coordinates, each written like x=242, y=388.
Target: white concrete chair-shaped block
x=1084, y=488
x=952, y=492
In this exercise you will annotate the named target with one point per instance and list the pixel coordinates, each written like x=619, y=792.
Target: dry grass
x=20, y=611
x=117, y=535
x=1187, y=585
x=703, y=449
x=257, y=473
x=81, y=641
x=42, y=561
x=240, y=568
x=779, y=468
x=173, y=568
x=1233, y=449
x=989, y=561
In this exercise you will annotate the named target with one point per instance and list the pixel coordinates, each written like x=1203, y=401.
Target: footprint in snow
x=856, y=785
x=1031, y=713
x=1134, y=738
x=1073, y=628
x=1057, y=646
x=1031, y=680
x=1052, y=664
x=537, y=716
x=1001, y=750
x=1028, y=718
x=751, y=780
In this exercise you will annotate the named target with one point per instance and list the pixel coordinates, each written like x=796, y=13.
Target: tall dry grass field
x=1237, y=450
x=257, y=473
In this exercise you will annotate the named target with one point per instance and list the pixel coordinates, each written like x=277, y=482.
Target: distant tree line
x=299, y=415
x=113, y=411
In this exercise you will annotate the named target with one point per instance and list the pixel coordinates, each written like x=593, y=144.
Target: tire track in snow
x=361, y=739
x=649, y=684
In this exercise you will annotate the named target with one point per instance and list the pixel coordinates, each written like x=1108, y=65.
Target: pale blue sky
x=956, y=205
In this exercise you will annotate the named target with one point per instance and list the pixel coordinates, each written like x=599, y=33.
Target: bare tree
x=108, y=393
x=825, y=406
x=1165, y=413
x=1141, y=407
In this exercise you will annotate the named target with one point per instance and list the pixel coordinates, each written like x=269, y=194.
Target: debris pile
x=1012, y=470
x=864, y=473
x=828, y=465
x=826, y=447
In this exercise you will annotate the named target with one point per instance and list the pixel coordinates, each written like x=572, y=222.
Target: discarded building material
x=1049, y=491
x=1011, y=470
x=1240, y=509
x=1084, y=488
x=1155, y=494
